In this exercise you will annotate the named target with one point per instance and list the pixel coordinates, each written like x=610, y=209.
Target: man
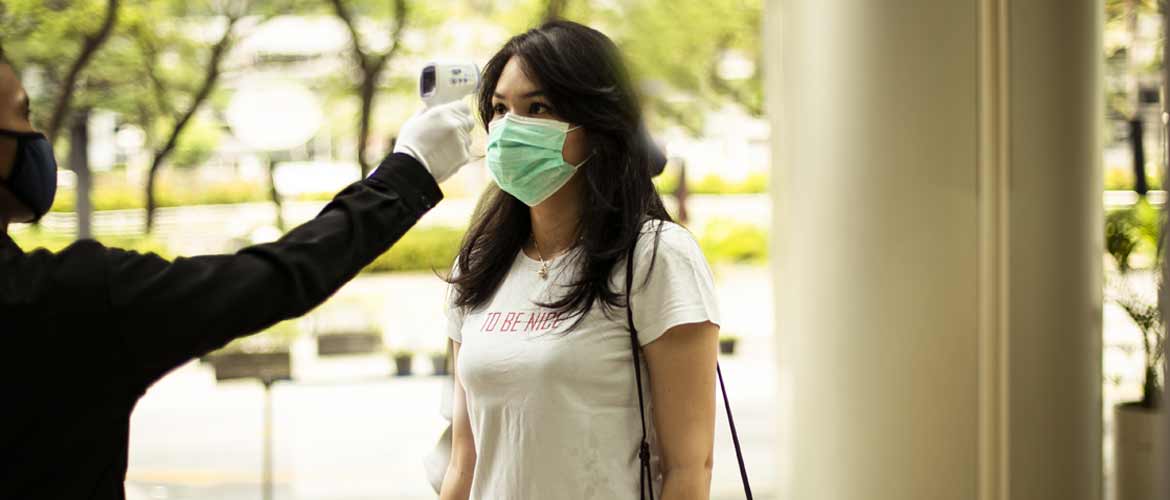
x=84, y=332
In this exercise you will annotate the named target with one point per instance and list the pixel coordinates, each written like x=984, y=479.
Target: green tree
x=369, y=63
x=687, y=56
x=694, y=55
x=59, y=42
x=177, y=94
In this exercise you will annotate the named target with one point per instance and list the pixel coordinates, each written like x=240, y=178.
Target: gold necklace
x=543, y=272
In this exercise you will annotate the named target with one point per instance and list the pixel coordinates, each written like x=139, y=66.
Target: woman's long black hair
x=586, y=82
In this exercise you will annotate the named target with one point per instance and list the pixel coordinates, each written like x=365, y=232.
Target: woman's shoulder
x=669, y=238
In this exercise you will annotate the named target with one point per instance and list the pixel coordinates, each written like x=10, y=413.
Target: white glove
x=439, y=138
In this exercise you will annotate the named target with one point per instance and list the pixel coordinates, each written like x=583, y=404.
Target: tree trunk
x=275, y=195
x=1137, y=145
x=89, y=47
x=555, y=9
x=79, y=164
x=210, y=79
x=368, y=89
x=371, y=67
x=151, y=200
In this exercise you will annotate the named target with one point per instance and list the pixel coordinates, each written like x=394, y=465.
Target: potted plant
x=1139, y=431
x=403, y=362
x=727, y=343
x=439, y=363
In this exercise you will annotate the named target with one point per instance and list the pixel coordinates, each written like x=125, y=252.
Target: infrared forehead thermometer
x=444, y=82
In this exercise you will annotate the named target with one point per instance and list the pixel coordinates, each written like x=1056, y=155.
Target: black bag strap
x=646, y=481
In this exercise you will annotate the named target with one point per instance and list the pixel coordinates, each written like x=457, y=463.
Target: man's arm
x=169, y=312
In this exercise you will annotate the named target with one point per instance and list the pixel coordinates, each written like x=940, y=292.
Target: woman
x=545, y=400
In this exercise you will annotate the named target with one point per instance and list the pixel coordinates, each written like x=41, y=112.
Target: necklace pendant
x=543, y=272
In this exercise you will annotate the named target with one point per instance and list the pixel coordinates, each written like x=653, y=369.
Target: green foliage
x=1122, y=179
x=122, y=196
x=732, y=242
x=675, y=48
x=1121, y=236
x=197, y=144
x=421, y=249
x=1128, y=230
x=33, y=239
x=666, y=182
x=712, y=184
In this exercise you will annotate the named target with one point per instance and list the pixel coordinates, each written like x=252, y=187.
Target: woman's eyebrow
x=534, y=93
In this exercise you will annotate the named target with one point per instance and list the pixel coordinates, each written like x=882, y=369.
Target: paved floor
x=345, y=430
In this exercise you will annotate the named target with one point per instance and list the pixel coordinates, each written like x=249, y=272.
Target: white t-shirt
x=554, y=412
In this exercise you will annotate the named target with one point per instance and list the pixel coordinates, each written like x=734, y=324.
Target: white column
x=937, y=244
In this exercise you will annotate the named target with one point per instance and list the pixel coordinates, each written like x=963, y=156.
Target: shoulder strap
x=646, y=482
x=644, y=451
x=747, y=487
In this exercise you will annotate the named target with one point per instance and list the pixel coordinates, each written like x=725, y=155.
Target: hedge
x=732, y=242
x=711, y=184
x=426, y=249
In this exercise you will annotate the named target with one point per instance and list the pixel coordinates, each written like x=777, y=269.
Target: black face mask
x=34, y=172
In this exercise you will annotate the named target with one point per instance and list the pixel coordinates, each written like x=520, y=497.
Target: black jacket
x=84, y=332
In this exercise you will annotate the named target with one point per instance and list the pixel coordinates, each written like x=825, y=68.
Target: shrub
x=421, y=249
x=755, y=183
x=1121, y=179
x=1131, y=230
x=34, y=239
x=728, y=241
x=122, y=196
x=667, y=182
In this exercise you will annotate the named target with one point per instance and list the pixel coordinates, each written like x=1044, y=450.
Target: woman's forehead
x=514, y=81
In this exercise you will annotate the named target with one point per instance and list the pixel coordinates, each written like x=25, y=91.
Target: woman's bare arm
x=457, y=482
x=682, y=385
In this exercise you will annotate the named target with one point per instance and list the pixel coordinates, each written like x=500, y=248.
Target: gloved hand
x=439, y=138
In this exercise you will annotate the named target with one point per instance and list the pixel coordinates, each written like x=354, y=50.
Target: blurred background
x=200, y=127
x=186, y=127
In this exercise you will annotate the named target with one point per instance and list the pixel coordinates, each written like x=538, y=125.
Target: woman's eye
x=539, y=109
x=499, y=109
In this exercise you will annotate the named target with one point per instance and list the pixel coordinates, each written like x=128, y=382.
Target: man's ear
x=7, y=156
x=12, y=209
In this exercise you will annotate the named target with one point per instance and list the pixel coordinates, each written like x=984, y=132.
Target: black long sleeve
x=169, y=312
x=85, y=331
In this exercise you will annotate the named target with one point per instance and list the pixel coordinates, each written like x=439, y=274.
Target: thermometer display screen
x=427, y=82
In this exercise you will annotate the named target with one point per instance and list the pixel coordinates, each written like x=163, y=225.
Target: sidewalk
x=194, y=439
x=345, y=430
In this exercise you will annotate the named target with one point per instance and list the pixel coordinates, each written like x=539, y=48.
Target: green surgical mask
x=524, y=156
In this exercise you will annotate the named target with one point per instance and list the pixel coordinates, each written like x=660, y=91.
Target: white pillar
x=938, y=242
